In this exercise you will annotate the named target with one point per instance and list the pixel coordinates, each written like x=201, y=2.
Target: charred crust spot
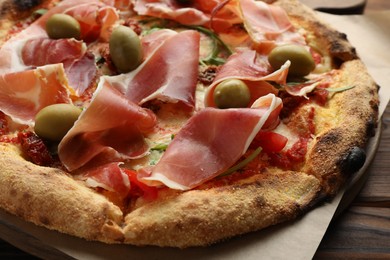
x=44, y=220
x=259, y=202
x=371, y=126
x=13, y=192
x=353, y=161
x=330, y=138
x=26, y=195
x=25, y=5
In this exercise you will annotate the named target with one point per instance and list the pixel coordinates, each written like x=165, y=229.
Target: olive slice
x=60, y=26
x=232, y=93
x=54, y=121
x=125, y=49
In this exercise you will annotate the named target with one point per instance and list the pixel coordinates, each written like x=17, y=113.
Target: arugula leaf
x=159, y=147
x=243, y=163
x=338, y=89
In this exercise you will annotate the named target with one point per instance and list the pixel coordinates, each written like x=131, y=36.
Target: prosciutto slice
x=30, y=46
x=268, y=25
x=168, y=74
x=251, y=68
x=109, y=177
x=35, y=52
x=23, y=94
x=211, y=142
x=110, y=129
x=217, y=14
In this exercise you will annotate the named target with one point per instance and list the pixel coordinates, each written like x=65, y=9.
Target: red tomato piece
x=270, y=142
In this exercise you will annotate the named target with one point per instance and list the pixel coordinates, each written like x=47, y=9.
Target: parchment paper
x=295, y=240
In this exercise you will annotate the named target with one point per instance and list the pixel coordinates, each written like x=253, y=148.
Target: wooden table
x=362, y=231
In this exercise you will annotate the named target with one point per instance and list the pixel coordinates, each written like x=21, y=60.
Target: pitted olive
x=125, y=49
x=232, y=93
x=302, y=63
x=60, y=26
x=54, y=121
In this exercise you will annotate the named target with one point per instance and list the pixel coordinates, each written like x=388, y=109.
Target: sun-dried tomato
x=208, y=75
x=3, y=124
x=35, y=149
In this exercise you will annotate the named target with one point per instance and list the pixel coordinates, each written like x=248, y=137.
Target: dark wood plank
x=359, y=233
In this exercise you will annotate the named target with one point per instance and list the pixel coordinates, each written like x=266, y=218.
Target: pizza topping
x=60, y=26
x=125, y=49
x=232, y=93
x=253, y=69
x=270, y=142
x=196, y=13
x=35, y=149
x=35, y=51
x=268, y=25
x=291, y=158
x=109, y=177
x=110, y=129
x=81, y=73
x=302, y=62
x=158, y=77
x=54, y=121
x=204, y=138
x=95, y=18
x=140, y=189
x=23, y=94
x=243, y=163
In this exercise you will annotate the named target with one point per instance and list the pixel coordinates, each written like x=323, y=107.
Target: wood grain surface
x=362, y=231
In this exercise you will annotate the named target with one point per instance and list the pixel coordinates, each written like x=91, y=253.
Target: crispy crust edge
x=356, y=114
x=206, y=216
x=49, y=197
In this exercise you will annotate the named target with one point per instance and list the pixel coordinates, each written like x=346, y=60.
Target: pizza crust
x=49, y=197
x=203, y=217
x=354, y=115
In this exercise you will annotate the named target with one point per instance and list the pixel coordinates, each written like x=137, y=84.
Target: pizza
x=176, y=123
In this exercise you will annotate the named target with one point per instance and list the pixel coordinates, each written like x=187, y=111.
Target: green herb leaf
x=243, y=163
x=218, y=46
x=40, y=11
x=339, y=89
x=159, y=147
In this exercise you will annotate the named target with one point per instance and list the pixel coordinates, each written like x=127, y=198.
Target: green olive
x=54, y=121
x=60, y=26
x=302, y=62
x=125, y=49
x=232, y=93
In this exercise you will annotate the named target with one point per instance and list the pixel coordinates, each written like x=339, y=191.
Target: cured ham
x=211, y=142
x=158, y=77
x=35, y=51
x=23, y=94
x=94, y=17
x=79, y=65
x=268, y=25
x=153, y=41
x=251, y=68
x=110, y=129
x=109, y=177
x=81, y=72
x=218, y=14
